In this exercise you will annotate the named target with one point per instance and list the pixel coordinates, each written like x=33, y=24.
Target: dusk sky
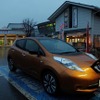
x=14, y=11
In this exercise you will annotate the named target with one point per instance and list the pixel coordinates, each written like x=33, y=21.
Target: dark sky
x=14, y=11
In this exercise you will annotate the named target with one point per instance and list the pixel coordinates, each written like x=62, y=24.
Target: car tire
x=50, y=83
x=11, y=65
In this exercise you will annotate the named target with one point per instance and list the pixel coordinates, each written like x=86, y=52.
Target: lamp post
x=87, y=38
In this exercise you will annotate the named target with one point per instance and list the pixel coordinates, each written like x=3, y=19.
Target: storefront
x=77, y=39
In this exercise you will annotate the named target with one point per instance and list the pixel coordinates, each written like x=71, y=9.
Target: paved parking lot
x=32, y=88
x=19, y=86
x=8, y=92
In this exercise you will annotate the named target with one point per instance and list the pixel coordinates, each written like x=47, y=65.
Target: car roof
x=39, y=38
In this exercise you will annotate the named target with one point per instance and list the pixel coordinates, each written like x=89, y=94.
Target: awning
x=75, y=30
x=75, y=34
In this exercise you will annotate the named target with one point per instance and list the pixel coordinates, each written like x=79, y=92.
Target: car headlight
x=91, y=56
x=68, y=63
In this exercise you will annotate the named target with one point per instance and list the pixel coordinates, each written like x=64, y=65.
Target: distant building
x=9, y=34
x=15, y=26
x=73, y=18
x=36, y=31
x=12, y=32
x=46, y=28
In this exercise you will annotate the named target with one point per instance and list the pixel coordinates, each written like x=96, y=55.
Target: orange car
x=57, y=64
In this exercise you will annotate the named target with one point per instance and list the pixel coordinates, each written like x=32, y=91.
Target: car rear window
x=20, y=43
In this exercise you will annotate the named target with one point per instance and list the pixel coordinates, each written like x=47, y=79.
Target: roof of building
x=15, y=26
x=45, y=23
x=68, y=3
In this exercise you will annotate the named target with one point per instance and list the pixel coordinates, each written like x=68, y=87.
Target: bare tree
x=28, y=25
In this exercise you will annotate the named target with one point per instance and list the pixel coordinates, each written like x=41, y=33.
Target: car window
x=31, y=45
x=20, y=43
x=57, y=46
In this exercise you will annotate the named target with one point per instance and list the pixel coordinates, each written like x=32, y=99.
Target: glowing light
x=83, y=75
x=86, y=69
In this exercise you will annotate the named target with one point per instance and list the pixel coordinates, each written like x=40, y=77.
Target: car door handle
x=23, y=54
x=12, y=50
x=41, y=61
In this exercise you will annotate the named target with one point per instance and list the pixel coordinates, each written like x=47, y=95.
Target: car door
x=31, y=60
x=18, y=51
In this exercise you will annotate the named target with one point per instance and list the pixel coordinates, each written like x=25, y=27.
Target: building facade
x=46, y=28
x=74, y=19
x=10, y=34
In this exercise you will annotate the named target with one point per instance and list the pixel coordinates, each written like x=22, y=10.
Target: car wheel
x=50, y=83
x=11, y=65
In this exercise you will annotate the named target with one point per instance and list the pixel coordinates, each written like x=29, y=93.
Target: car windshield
x=56, y=46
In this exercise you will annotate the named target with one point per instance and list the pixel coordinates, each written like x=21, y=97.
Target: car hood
x=82, y=60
